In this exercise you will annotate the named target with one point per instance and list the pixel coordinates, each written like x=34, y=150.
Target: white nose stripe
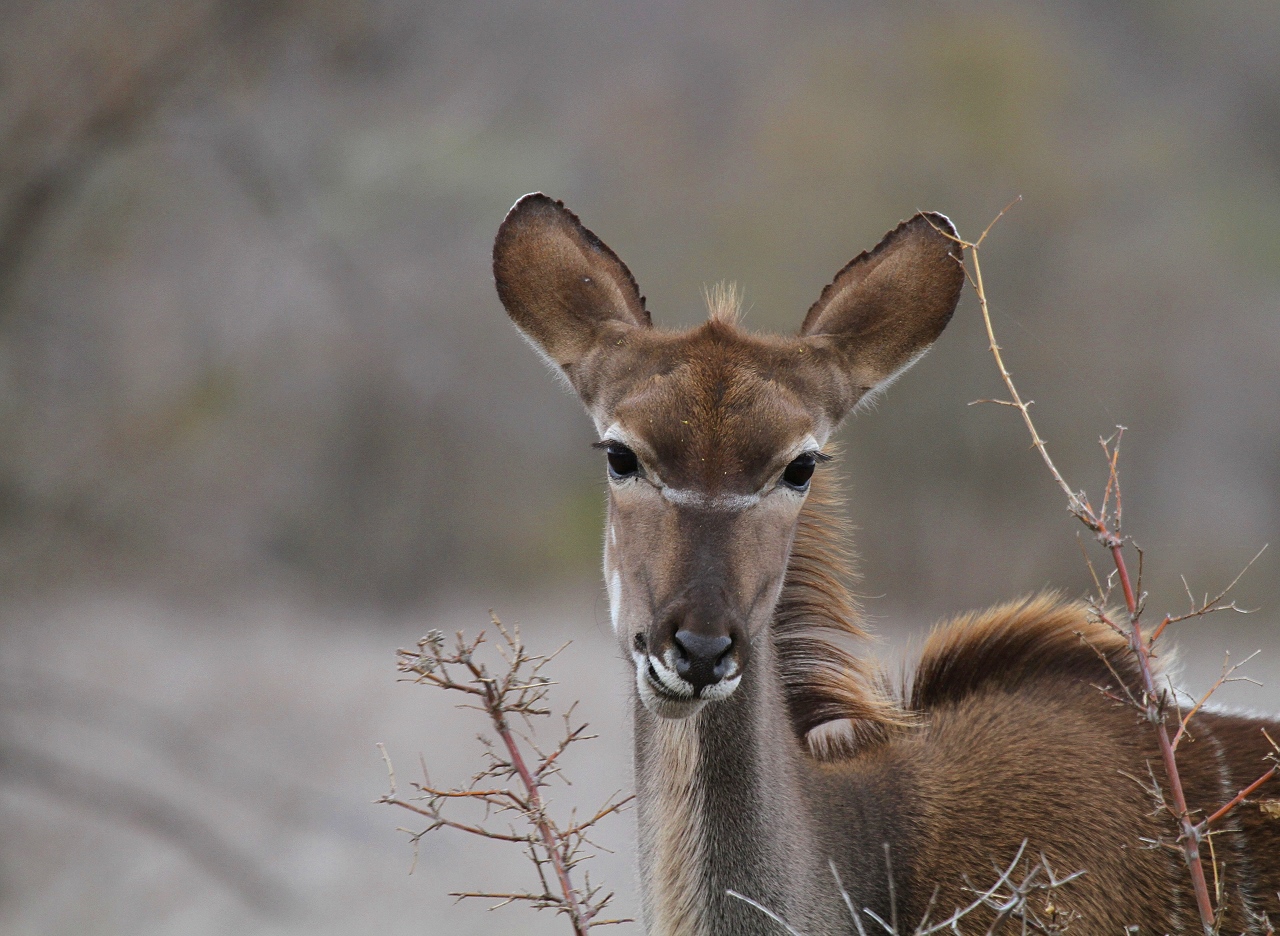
x=672, y=682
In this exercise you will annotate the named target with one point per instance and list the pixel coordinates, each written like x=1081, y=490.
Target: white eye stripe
x=688, y=498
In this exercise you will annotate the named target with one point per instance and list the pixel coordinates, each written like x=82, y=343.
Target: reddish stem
x=1129, y=599
x=1155, y=634
x=549, y=839
x=1236, y=800
x=1190, y=835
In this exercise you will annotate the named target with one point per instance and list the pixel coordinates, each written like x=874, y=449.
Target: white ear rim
x=950, y=229
x=516, y=203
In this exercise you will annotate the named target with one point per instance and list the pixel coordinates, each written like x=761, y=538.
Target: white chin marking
x=664, y=707
x=721, y=690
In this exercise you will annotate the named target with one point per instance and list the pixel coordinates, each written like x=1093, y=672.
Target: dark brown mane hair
x=816, y=627
x=840, y=701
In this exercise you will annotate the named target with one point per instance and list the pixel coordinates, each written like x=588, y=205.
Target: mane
x=839, y=701
x=1040, y=638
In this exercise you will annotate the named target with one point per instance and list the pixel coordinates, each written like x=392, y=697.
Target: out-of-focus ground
x=262, y=419
x=259, y=720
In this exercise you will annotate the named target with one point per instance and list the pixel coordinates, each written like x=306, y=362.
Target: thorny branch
x=510, y=781
x=1228, y=670
x=1105, y=524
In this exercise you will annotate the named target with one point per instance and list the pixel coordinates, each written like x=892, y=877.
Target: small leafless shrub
x=516, y=771
x=1158, y=704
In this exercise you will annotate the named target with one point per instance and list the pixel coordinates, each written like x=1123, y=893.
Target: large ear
x=884, y=310
x=561, y=285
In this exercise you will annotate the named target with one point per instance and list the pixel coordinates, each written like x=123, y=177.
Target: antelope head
x=711, y=435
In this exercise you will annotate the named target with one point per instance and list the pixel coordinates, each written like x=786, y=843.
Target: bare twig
x=510, y=782
x=1005, y=898
x=1208, y=605
x=765, y=910
x=1228, y=670
x=1235, y=801
x=1105, y=523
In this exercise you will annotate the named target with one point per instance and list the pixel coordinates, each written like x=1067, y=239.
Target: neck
x=723, y=804
x=724, y=796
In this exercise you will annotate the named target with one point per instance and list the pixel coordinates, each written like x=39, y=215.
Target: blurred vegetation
x=248, y=334
x=259, y=403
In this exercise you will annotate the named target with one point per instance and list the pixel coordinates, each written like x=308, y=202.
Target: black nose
x=703, y=661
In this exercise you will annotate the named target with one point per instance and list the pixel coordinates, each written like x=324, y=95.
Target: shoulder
x=1012, y=647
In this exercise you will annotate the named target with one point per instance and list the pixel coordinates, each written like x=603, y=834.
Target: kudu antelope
x=765, y=749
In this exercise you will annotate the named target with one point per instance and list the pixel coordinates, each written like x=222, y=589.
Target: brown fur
x=797, y=759
x=1029, y=686
x=1020, y=643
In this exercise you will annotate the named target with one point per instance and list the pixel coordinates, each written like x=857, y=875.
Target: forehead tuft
x=715, y=408
x=724, y=303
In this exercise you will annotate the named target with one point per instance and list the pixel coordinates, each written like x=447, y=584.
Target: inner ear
x=889, y=304
x=561, y=285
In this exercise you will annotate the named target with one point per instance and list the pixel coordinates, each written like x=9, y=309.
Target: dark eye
x=800, y=471
x=622, y=461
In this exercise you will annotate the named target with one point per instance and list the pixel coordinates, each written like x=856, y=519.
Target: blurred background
x=263, y=420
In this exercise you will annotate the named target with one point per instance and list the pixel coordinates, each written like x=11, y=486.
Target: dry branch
x=1006, y=898
x=512, y=780
x=1105, y=522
